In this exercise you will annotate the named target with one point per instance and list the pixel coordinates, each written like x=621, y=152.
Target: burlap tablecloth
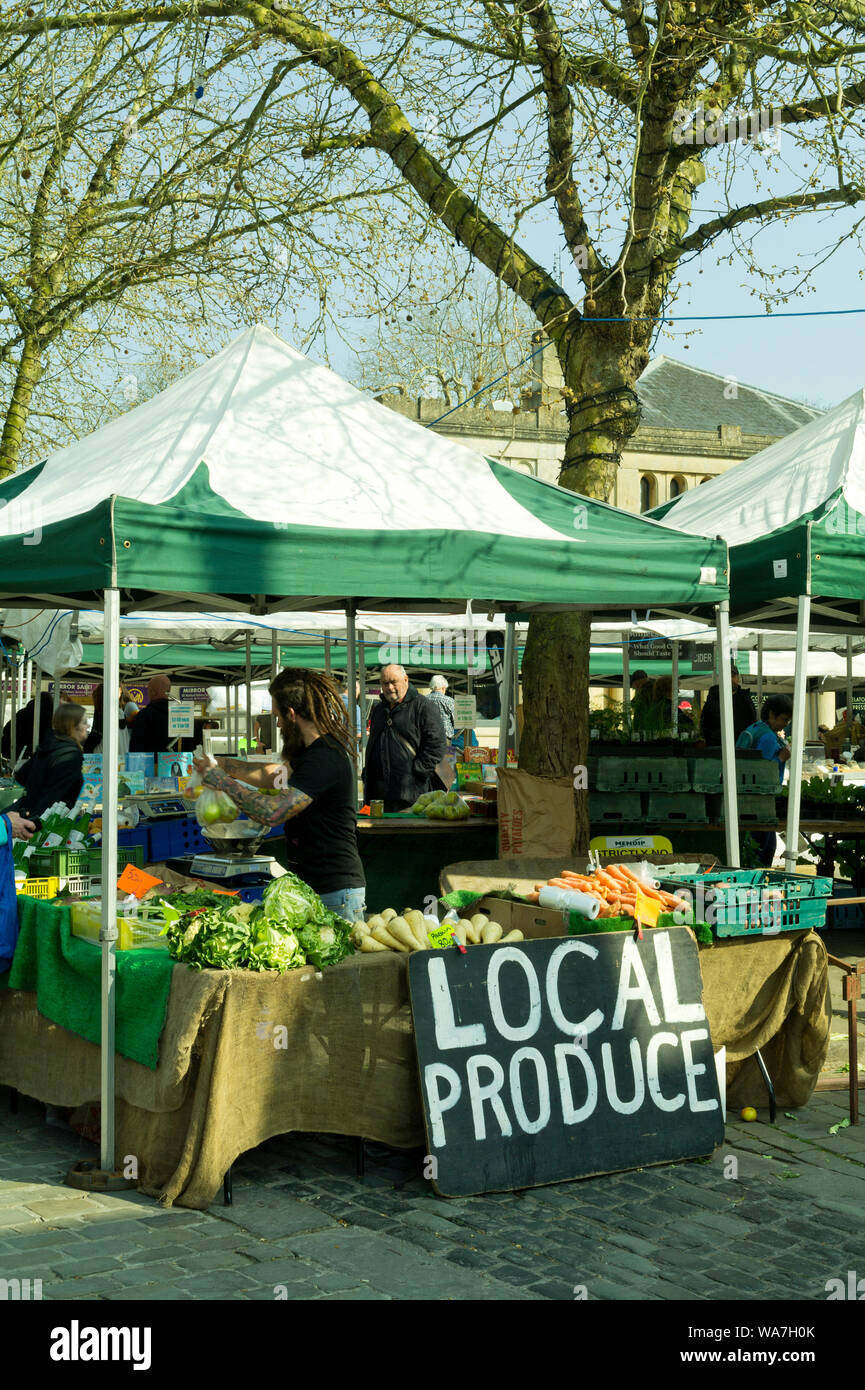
x=246, y=1056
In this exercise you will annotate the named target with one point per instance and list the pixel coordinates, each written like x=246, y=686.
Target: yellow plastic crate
x=134, y=933
x=38, y=887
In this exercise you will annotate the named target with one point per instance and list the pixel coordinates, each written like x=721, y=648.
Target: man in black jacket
x=744, y=712
x=406, y=741
x=150, y=730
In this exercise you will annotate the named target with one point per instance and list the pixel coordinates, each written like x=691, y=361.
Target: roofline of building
x=743, y=385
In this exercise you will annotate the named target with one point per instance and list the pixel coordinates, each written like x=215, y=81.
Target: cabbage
x=274, y=947
x=291, y=902
x=326, y=942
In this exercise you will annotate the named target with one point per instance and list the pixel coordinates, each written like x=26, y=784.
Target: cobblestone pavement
x=776, y=1223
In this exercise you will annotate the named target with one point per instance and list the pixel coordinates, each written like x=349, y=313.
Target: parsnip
x=375, y=921
x=490, y=933
x=473, y=933
x=401, y=931
x=369, y=943
x=363, y=927
x=413, y=917
x=460, y=929
x=513, y=936
x=418, y=927
x=382, y=935
x=388, y=913
x=479, y=920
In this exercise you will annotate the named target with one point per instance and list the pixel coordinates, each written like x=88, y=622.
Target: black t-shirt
x=322, y=839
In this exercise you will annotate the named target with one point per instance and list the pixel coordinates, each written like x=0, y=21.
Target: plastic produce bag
x=212, y=806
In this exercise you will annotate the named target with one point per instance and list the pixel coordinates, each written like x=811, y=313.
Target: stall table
x=402, y=855
x=246, y=1056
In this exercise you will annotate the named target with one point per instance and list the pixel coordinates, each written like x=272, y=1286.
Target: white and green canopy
x=261, y=475
x=794, y=518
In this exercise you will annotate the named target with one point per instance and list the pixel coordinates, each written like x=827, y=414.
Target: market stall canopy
x=261, y=476
x=794, y=518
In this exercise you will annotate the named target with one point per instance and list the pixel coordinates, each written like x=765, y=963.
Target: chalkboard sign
x=560, y=1058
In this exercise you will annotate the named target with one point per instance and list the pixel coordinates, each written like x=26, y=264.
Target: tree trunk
x=556, y=705
x=28, y=374
x=601, y=364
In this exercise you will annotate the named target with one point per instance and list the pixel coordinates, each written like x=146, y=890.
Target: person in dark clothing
x=24, y=727
x=316, y=786
x=406, y=742
x=54, y=771
x=93, y=742
x=150, y=730
x=744, y=711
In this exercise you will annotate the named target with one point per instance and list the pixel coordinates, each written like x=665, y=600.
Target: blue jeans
x=349, y=903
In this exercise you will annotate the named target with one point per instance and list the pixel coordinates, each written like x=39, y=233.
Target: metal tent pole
x=797, y=730
x=361, y=675
x=4, y=671
x=626, y=680
x=850, y=690
x=13, y=707
x=507, y=692
x=28, y=688
x=350, y=656
x=274, y=672
x=21, y=669
x=249, y=692
x=37, y=701
x=327, y=653
x=675, y=692
x=728, y=753
x=759, y=674
x=108, y=932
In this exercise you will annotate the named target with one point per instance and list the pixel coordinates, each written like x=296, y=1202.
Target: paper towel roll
x=570, y=901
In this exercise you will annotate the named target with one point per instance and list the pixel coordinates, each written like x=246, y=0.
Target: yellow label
x=440, y=937
x=648, y=910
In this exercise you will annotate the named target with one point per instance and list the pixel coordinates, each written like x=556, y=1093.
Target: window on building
x=707, y=479
x=677, y=487
x=648, y=492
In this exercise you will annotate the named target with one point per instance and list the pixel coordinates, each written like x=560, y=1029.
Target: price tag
x=648, y=910
x=440, y=937
x=136, y=881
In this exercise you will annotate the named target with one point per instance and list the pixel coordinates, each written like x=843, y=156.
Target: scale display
x=156, y=808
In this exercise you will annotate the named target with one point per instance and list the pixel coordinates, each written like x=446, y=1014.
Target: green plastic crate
x=623, y=808
x=76, y=863
x=754, y=808
x=756, y=902
x=760, y=777
x=706, y=774
x=636, y=774
x=668, y=808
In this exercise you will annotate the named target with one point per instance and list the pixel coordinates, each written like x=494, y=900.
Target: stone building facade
x=694, y=425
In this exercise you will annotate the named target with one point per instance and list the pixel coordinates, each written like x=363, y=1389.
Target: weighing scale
x=234, y=859
x=157, y=805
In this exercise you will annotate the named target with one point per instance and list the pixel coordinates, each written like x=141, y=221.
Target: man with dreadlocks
x=316, y=788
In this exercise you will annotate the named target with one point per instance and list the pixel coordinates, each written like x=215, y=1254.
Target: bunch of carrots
x=616, y=887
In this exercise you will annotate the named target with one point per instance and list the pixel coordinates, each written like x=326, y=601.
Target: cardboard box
x=533, y=922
